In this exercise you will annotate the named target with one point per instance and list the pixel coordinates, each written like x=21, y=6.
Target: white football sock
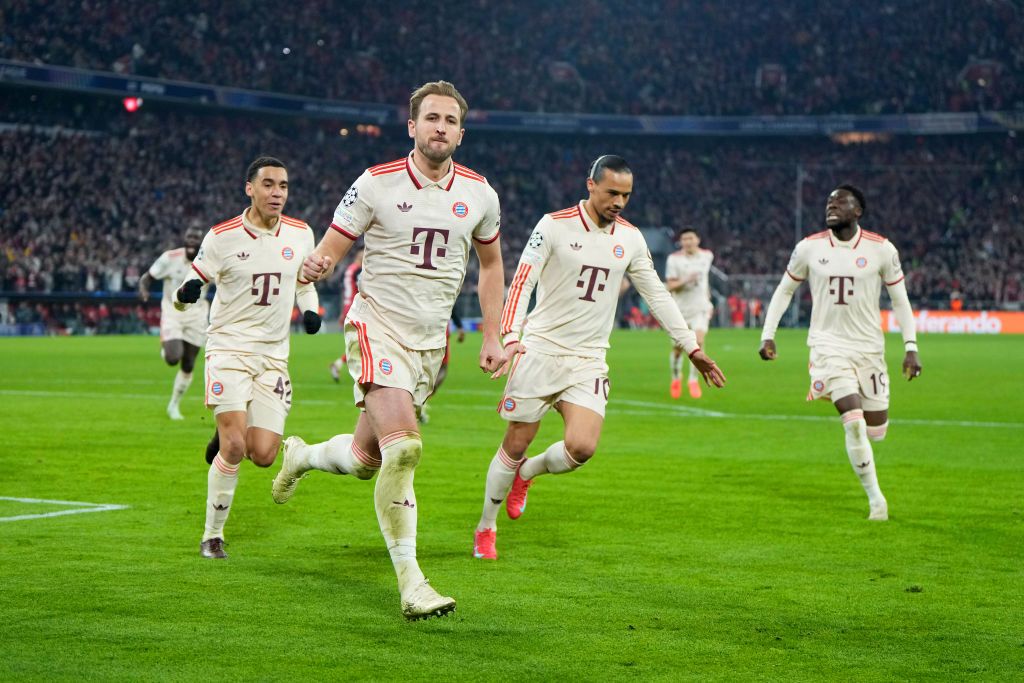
x=858, y=448
x=395, y=502
x=339, y=455
x=693, y=373
x=182, y=381
x=500, y=475
x=555, y=460
x=220, y=490
x=675, y=362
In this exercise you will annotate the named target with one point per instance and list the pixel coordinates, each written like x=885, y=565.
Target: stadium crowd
x=677, y=57
x=89, y=210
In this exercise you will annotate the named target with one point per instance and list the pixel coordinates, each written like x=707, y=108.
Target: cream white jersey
x=693, y=297
x=577, y=268
x=417, y=235
x=171, y=268
x=257, y=276
x=846, y=282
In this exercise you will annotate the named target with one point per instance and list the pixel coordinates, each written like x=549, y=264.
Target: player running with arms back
x=846, y=266
x=418, y=215
x=686, y=276
x=182, y=333
x=576, y=258
x=255, y=259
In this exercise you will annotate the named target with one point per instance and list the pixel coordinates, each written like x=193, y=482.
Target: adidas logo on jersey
x=404, y=208
x=576, y=246
x=823, y=261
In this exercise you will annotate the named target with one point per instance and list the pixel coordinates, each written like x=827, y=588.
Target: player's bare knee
x=580, y=450
x=263, y=457
x=232, y=447
x=187, y=365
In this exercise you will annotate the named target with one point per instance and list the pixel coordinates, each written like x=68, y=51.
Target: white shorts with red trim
x=836, y=375
x=256, y=385
x=538, y=381
x=375, y=357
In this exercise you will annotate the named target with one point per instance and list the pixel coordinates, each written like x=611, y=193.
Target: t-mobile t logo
x=427, y=248
x=590, y=283
x=840, y=286
x=263, y=287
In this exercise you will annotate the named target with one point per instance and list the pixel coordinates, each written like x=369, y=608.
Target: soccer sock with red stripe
x=220, y=490
x=339, y=455
x=858, y=448
x=500, y=475
x=395, y=502
x=555, y=460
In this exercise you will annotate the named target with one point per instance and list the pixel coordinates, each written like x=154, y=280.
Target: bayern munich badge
x=460, y=209
x=619, y=251
x=287, y=253
x=861, y=262
x=508, y=404
x=216, y=388
x=819, y=386
x=385, y=366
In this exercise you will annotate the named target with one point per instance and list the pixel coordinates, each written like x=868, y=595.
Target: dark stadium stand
x=653, y=58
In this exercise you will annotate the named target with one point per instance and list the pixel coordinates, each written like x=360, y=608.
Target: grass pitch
x=716, y=539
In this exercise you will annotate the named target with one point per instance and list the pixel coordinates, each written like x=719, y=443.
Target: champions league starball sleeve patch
x=350, y=197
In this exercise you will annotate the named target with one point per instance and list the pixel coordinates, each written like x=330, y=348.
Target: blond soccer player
x=255, y=260
x=846, y=267
x=182, y=333
x=686, y=276
x=576, y=259
x=419, y=216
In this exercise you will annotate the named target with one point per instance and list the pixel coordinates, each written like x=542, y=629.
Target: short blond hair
x=443, y=88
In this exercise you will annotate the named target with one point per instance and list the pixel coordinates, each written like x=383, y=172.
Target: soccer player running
x=182, y=333
x=686, y=276
x=846, y=266
x=576, y=259
x=418, y=216
x=255, y=259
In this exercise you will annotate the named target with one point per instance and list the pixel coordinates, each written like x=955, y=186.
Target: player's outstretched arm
x=491, y=289
x=776, y=308
x=905, y=317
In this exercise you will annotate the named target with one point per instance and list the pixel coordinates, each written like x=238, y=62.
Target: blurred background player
x=182, y=333
x=349, y=289
x=395, y=330
x=577, y=259
x=255, y=259
x=686, y=276
x=846, y=266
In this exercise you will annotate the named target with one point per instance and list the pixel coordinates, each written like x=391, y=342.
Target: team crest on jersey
x=861, y=262
x=819, y=386
x=385, y=366
x=619, y=251
x=287, y=253
x=460, y=209
x=508, y=404
x=216, y=388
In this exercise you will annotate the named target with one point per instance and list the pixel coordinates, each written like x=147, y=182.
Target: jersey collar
x=851, y=244
x=254, y=232
x=589, y=225
x=421, y=181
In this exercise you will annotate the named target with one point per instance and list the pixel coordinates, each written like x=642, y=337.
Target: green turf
x=692, y=547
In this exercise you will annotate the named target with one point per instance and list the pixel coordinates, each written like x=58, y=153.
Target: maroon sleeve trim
x=480, y=241
x=346, y=233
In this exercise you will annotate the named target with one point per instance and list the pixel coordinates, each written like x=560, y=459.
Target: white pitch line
x=650, y=408
x=88, y=507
